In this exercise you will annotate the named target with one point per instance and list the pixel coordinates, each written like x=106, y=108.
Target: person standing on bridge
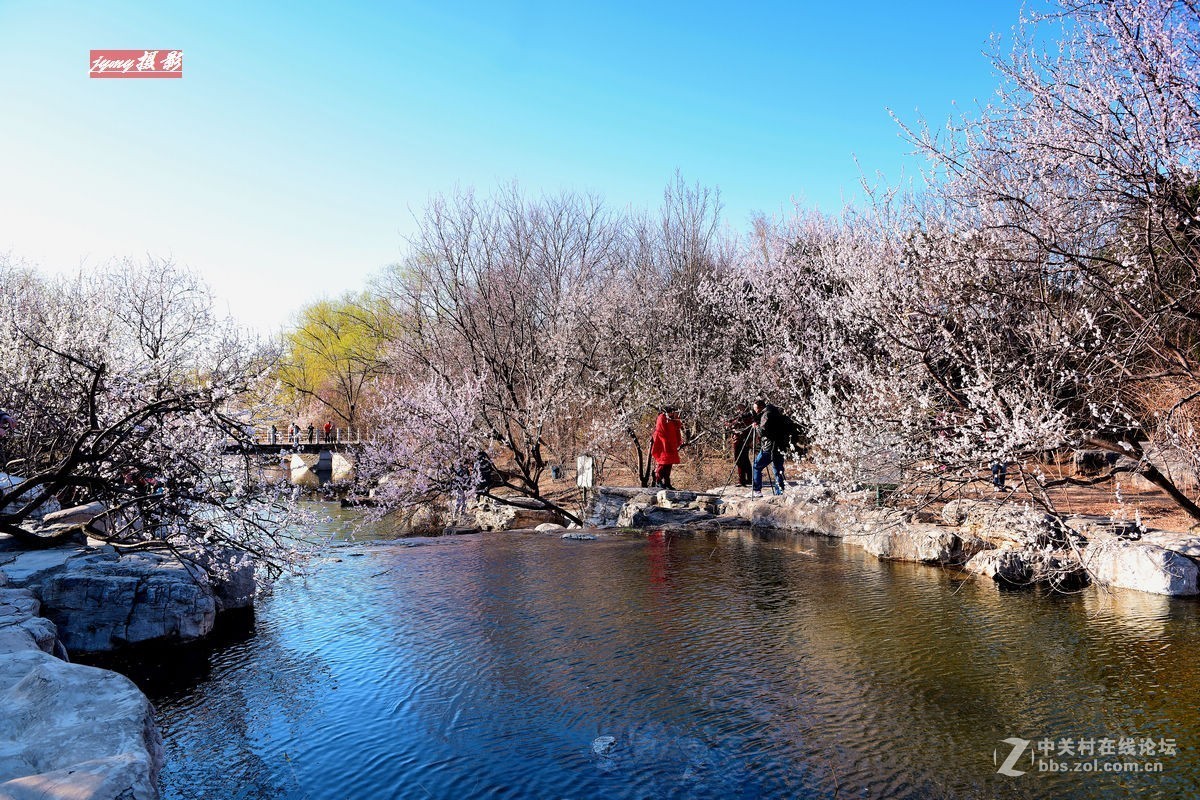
x=312, y=433
x=274, y=434
x=328, y=431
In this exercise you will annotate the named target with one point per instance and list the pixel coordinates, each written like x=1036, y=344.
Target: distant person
x=296, y=433
x=328, y=431
x=274, y=435
x=312, y=433
x=999, y=470
x=487, y=475
x=740, y=431
x=777, y=433
x=665, y=444
x=7, y=426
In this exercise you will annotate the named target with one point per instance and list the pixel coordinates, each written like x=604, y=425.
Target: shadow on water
x=168, y=670
x=711, y=665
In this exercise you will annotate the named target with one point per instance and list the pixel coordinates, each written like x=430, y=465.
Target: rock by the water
x=547, y=527
x=606, y=504
x=103, y=600
x=786, y=512
x=929, y=544
x=74, y=732
x=1141, y=566
x=579, y=536
x=491, y=515
x=76, y=515
x=231, y=576
x=1010, y=524
x=1061, y=570
x=20, y=626
x=630, y=510
x=673, y=498
x=655, y=517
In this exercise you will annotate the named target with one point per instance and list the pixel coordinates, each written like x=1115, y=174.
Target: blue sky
x=289, y=161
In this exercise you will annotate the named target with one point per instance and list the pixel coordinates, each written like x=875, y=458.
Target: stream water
x=729, y=665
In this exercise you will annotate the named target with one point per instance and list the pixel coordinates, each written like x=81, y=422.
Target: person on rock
x=777, y=433
x=665, y=444
x=740, y=431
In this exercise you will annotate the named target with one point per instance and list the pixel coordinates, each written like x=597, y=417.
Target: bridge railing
x=336, y=436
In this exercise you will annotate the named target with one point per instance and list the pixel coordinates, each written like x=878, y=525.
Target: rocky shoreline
x=76, y=731
x=1003, y=540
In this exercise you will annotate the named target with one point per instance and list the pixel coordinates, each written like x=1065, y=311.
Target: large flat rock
x=23, y=568
x=101, y=599
x=788, y=512
x=71, y=732
x=1141, y=566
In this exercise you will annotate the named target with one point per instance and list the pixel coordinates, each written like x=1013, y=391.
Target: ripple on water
x=721, y=667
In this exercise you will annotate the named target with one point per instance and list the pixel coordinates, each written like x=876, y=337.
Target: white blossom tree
x=126, y=392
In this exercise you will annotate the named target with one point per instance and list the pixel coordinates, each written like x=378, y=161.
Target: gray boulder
x=22, y=629
x=1141, y=566
x=101, y=600
x=231, y=576
x=70, y=731
x=76, y=515
x=517, y=513
x=928, y=544
x=656, y=517
x=1060, y=570
x=1009, y=524
x=627, y=518
x=604, y=508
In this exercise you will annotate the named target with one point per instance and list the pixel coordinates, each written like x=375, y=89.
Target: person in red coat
x=664, y=447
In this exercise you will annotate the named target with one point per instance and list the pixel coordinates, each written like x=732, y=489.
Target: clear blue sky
x=289, y=160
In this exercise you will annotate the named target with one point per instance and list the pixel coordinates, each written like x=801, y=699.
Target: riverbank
x=1003, y=540
x=77, y=731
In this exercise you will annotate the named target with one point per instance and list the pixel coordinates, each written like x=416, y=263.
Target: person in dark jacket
x=665, y=444
x=775, y=431
x=740, y=431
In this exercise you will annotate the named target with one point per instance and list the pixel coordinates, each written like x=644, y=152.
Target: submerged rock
x=579, y=536
x=602, y=745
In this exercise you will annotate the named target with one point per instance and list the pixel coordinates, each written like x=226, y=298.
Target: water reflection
x=723, y=666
